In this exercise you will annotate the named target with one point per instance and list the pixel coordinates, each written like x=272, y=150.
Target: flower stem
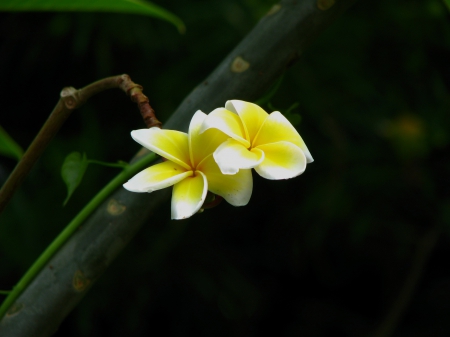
x=31, y=273
x=98, y=162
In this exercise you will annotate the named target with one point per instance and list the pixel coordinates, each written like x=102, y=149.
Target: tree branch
x=246, y=73
x=395, y=313
x=70, y=100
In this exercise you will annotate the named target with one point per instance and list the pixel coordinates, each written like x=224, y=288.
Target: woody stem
x=71, y=99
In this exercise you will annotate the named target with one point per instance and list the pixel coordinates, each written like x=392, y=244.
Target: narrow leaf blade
x=140, y=7
x=8, y=147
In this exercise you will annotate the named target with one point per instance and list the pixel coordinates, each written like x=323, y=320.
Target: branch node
x=71, y=98
x=134, y=91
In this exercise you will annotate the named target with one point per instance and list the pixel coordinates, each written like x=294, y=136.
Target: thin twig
x=135, y=92
x=424, y=249
x=70, y=100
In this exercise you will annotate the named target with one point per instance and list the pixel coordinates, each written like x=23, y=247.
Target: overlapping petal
x=277, y=128
x=203, y=144
x=156, y=177
x=235, y=189
x=170, y=144
x=189, y=195
x=227, y=122
x=282, y=160
x=252, y=115
x=231, y=156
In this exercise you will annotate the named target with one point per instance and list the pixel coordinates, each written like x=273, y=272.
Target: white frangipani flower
x=266, y=142
x=190, y=168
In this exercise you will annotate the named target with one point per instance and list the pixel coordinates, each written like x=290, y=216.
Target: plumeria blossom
x=190, y=168
x=266, y=142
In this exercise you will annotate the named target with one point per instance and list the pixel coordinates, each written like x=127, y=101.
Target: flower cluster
x=217, y=155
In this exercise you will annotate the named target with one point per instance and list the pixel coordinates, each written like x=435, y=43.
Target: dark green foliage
x=324, y=254
x=72, y=171
x=8, y=147
x=108, y=6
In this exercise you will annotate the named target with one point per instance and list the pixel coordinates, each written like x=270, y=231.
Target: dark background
x=328, y=253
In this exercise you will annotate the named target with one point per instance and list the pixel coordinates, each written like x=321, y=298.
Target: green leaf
x=447, y=2
x=141, y=7
x=72, y=171
x=8, y=147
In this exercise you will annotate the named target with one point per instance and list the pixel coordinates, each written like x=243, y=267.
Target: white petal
x=188, y=196
x=156, y=177
x=227, y=122
x=235, y=189
x=203, y=144
x=283, y=160
x=252, y=115
x=170, y=144
x=231, y=156
x=277, y=128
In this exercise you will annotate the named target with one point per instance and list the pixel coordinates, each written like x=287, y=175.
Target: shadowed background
x=324, y=254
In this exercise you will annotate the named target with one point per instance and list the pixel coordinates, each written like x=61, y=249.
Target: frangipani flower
x=266, y=142
x=190, y=168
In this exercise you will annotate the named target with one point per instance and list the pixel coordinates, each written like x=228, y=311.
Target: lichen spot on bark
x=239, y=65
x=115, y=208
x=275, y=8
x=325, y=4
x=80, y=282
x=15, y=308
